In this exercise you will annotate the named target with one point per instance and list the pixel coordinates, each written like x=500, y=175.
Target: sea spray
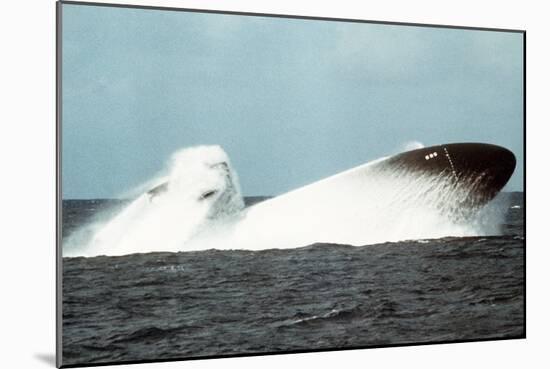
x=198, y=206
x=366, y=205
x=200, y=190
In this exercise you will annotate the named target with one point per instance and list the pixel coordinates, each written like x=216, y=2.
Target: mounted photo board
x=234, y=184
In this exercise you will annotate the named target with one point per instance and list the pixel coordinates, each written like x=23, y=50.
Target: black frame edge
x=525, y=184
x=58, y=197
x=308, y=351
x=288, y=16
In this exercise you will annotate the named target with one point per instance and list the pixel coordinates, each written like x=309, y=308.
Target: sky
x=290, y=100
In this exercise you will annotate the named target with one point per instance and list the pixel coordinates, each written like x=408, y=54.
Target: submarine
x=431, y=192
x=483, y=169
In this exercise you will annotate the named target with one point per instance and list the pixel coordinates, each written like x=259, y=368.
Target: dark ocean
x=145, y=307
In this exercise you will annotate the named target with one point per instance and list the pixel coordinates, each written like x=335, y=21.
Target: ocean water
x=179, y=305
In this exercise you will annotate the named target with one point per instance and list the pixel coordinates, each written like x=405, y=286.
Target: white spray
x=200, y=191
x=199, y=206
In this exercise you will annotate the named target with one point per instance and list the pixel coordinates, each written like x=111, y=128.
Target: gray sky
x=291, y=101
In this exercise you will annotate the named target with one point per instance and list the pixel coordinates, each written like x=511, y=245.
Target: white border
x=27, y=31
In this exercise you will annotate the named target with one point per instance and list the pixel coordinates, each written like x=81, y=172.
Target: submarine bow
x=481, y=169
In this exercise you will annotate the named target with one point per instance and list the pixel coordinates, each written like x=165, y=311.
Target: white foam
x=167, y=220
x=364, y=205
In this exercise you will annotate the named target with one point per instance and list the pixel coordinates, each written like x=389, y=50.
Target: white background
x=27, y=187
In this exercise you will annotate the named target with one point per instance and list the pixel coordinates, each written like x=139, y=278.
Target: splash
x=200, y=191
x=198, y=206
x=367, y=205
